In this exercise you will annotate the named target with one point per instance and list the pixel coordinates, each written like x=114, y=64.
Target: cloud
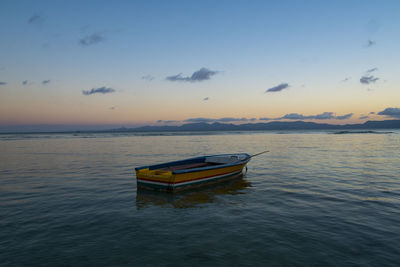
x=390, y=112
x=265, y=119
x=344, y=117
x=35, y=19
x=25, y=82
x=177, y=77
x=364, y=117
x=370, y=43
x=167, y=121
x=101, y=90
x=92, y=39
x=294, y=116
x=368, y=79
x=46, y=82
x=3, y=83
x=322, y=116
x=278, y=88
x=198, y=120
x=229, y=119
x=148, y=78
x=330, y=116
x=371, y=70
x=202, y=74
x=206, y=98
x=197, y=76
x=225, y=119
x=290, y=116
x=346, y=79
x=372, y=112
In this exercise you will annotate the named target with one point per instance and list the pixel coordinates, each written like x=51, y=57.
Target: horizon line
x=73, y=128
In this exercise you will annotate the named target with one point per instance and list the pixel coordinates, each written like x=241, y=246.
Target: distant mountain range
x=204, y=127
x=272, y=126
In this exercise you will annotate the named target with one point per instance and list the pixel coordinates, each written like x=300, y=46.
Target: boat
x=191, y=173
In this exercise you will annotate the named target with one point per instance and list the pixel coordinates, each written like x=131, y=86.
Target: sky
x=101, y=64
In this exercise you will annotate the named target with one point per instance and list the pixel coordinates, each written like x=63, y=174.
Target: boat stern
x=155, y=179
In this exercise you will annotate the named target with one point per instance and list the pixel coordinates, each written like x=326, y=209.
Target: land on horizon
x=217, y=126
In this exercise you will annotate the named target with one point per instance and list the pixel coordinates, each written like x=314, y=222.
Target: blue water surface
x=316, y=198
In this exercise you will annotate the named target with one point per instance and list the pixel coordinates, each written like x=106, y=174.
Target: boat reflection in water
x=191, y=198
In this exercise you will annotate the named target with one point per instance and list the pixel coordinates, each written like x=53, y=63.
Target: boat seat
x=185, y=166
x=223, y=159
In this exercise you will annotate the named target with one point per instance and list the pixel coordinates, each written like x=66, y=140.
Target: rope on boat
x=259, y=153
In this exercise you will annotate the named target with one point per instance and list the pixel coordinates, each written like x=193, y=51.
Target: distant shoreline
x=225, y=127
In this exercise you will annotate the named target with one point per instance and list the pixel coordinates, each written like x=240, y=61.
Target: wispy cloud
x=206, y=98
x=346, y=79
x=198, y=120
x=168, y=121
x=101, y=90
x=230, y=119
x=223, y=120
x=92, y=39
x=344, y=117
x=25, y=82
x=148, y=78
x=35, y=19
x=330, y=116
x=290, y=116
x=322, y=116
x=278, y=88
x=177, y=77
x=364, y=117
x=371, y=70
x=370, y=43
x=391, y=112
x=295, y=116
x=265, y=119
x=202, y=74
x=3, y=83
x=46, y=82
x=368, y=79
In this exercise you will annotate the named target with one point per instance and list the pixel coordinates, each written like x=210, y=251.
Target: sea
x=315, y=199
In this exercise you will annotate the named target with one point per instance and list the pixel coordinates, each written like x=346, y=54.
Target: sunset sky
x=129, y=63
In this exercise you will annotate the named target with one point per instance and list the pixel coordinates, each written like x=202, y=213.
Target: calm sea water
x=316, y=199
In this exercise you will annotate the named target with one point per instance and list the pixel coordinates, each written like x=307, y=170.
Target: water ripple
x=315, y=199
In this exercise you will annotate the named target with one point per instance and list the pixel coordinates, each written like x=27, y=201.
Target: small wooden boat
x=190, y=173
